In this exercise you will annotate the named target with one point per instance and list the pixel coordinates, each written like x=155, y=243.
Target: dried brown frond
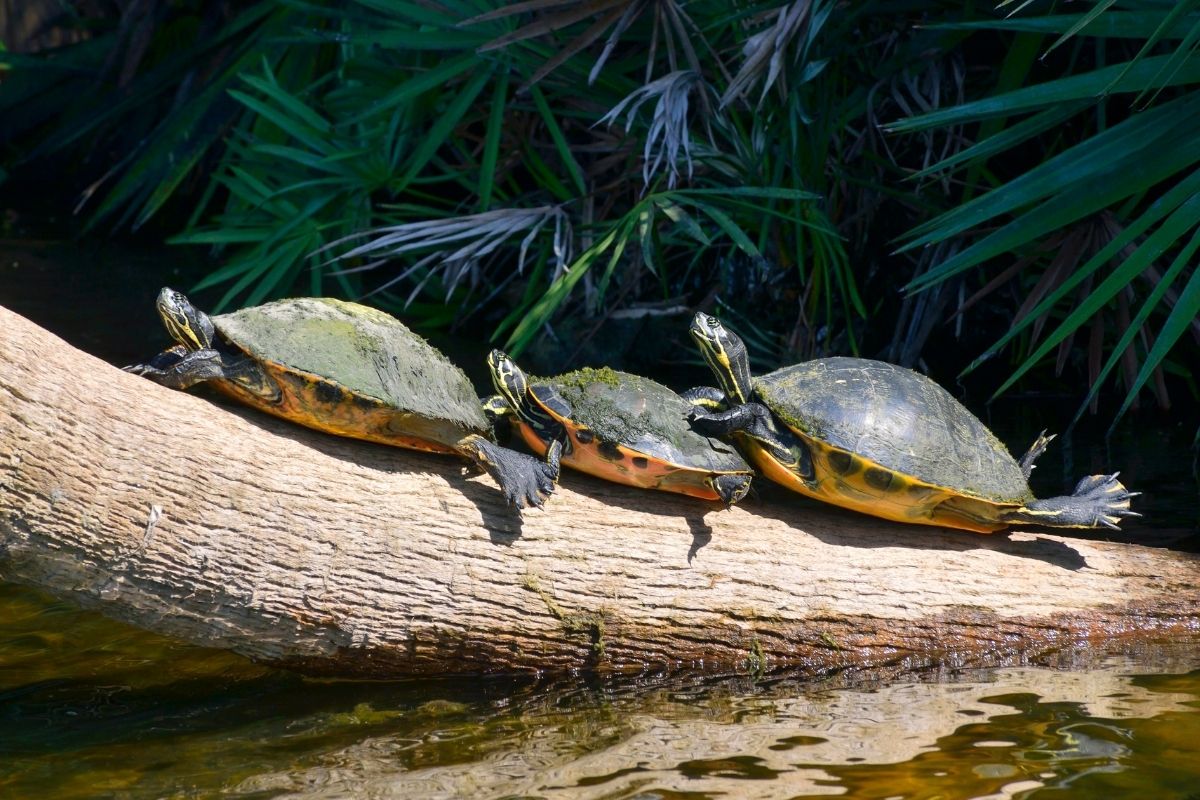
x=920, y=313
x=617, y=14
x=1068, y=250
x=669, y=19
x=575, y=12
x=938, y=84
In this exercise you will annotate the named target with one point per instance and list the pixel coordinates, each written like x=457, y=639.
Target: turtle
x=617, y=426
x=343, y=368
x=884, y=440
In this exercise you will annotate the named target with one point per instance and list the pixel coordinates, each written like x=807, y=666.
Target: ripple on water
x=92, y=707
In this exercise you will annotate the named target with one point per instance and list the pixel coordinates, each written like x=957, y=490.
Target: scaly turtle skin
x=620, y=427
x=883, y=440
x=343, y=368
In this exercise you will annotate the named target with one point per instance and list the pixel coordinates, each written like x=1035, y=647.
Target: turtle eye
x=705, y=328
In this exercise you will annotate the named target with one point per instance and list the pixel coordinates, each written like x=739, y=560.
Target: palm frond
x=668, y=133
x=766, y=53
x=473, y=240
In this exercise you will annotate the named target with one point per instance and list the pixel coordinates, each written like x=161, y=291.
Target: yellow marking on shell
x=362, y=418
x=657, y=474
x=851, y=481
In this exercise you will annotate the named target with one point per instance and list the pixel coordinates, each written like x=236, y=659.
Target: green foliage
x=1141, y=171
x=370, y=115
x=529, y=163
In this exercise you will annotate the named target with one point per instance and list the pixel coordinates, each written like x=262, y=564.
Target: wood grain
x=225, y=527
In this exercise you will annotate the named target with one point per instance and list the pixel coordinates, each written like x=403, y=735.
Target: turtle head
x=187, y=325
x=730, y=487
x=532, y=406
x=509, y=380
x=726, y=356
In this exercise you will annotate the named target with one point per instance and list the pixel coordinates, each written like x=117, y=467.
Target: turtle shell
x=354, y=370
x=898, y=419
x=614, y=410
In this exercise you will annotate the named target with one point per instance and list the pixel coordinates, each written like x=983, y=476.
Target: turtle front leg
x=523, y=479
x=753, y=419
x=179, y=368
x=709, y=397
x=496, y=408
x=167, y=358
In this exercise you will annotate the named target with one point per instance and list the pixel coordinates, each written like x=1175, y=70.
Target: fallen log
x=225, y=527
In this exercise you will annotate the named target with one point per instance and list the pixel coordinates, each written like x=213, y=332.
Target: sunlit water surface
x=91, y=708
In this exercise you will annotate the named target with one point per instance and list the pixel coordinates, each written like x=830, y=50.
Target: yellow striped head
x=187, y=325
x=508, y=379
x=726, y=356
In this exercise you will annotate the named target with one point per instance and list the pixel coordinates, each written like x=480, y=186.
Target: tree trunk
x=225, y=527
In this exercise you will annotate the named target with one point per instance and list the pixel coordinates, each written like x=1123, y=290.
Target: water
x=92, y=708
x=89, y=707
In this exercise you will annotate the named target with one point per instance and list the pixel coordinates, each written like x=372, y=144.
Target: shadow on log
x=228, y=528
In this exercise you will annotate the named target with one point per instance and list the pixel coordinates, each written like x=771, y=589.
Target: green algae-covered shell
x=639, y=414
x=897, y=418
x=366, y=351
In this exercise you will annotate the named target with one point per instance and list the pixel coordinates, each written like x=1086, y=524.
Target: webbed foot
x=164, y=360
x=1099, y=501
x=524, y=480
x=179, y=368
x=1106, y=497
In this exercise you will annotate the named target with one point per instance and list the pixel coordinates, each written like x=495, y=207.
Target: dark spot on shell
x=879, y=479
x=610, y=451
x=329, y=393
x=584, y=436
x=364, y=402
x=841, y=463
x=919, y=492
x=640, y=462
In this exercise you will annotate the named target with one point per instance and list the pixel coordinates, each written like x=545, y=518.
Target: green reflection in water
x=89, y=708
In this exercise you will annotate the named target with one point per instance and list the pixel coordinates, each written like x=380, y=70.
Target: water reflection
x=89, y=707
x=999, y=733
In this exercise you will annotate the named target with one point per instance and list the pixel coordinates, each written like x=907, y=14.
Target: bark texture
x=228, y=528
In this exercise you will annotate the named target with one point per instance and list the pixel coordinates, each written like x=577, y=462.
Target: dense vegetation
x=849, y=177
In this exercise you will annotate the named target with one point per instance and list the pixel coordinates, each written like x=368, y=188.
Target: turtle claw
x=1106, y=498
x=1036, y=449
x=1099, y=501
x=534, y=483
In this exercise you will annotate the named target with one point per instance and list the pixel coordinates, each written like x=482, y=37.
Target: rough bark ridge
x=232, y=529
